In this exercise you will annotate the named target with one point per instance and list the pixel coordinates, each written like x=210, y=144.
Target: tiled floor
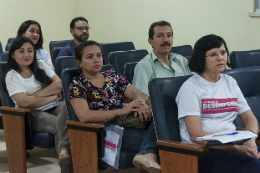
x=42, y=160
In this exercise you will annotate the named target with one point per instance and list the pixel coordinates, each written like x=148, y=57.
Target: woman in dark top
x=101, y=97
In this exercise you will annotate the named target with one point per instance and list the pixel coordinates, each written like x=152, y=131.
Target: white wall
x=129, y=20
x=54, y=17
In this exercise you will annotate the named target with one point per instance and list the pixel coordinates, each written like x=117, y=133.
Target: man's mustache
x=166, y=44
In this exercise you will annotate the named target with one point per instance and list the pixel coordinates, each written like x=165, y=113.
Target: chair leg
x=14, y=131
x=178, y=163
x=84, y=151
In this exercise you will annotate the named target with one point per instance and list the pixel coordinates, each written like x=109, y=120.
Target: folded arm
x=84, y=114
x=52, y=89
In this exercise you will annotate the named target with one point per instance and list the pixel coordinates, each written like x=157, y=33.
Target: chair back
x=6, y=100
x=241, y=59
x=120, y=46
x=8, y=46
x=10, y=40
x=163, y=92
x=129, y=70
x=185, y=50
x=248, y=82
x=119, y=58
x=4, y=56
x=60, y=43
x=1, y=48
x=54, y=53
x=66, y=77
x=63, y=62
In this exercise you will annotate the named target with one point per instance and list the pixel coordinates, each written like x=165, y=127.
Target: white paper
x=111, y=142
x=224, y=137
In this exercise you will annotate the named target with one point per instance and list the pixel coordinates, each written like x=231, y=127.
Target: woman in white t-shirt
x=32, y=84
x=32, y=30
x=208, y=103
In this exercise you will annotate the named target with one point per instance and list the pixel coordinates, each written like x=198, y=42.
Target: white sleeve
x=187, y=101
x=14, y=83
x=45, y=56
x=241, y=101
x=49, y=72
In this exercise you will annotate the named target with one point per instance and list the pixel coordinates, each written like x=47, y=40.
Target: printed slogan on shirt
x=214, y=106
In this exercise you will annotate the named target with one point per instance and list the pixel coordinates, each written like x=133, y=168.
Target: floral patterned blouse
x=115, y=85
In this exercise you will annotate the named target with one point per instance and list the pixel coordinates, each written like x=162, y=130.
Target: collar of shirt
x=154, y=57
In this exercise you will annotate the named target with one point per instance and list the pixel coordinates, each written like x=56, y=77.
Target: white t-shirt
x=15, y=83
x=218, y=104
x=42, y=54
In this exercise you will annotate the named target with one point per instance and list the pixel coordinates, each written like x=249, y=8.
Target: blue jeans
x=228, y=162
x=148, y=144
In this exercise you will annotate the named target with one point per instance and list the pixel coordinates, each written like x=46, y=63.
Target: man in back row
x=160, y=63
x=79, y=29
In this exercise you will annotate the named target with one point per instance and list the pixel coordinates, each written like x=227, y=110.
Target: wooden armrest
x=77, y=123
x=8, y=108
x=180, y=147
x=92, y=127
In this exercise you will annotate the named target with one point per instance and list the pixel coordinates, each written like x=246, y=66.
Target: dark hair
x=159, y=23
x=39, y=74
x=81, y=47
x=72, y=23
x=25, y=25
x=208, y=42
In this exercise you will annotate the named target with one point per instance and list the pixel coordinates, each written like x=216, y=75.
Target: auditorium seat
x=119, y=58
x=185, y=50
x=54, y=54
x=119, y=46
x=175, y=156
x=81, y=133
x=240, y=59
x=129, y=70
x=17, y=130
x=8, y=46
x=10, y=40
x=1, y=48
x=248, y=82
x=4, y=56
x=60, y=43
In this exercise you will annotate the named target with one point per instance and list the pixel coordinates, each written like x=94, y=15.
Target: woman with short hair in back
x=198, y=116
x=32, y=30
x=100, y=97
x=32, y=84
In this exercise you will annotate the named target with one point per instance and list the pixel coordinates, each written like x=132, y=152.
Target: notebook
x=48, y=106
x=229, y=136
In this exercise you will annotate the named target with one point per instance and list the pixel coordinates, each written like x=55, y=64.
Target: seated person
x=79, y=29
x=32, y=30
x=32, y=84
x=100, y=97
x=159, y=63
x=208, y=61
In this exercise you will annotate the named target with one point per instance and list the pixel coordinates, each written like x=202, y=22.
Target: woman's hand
x=57, y=97
x=132, y=106
x=144, y=113
x=249, y=148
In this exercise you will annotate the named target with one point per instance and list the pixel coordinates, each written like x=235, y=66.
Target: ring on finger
x=147, y=111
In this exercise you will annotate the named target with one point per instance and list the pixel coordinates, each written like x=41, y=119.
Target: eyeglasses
x=215, y=55
x=83, y=28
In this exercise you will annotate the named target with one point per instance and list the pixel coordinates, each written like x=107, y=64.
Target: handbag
x=129, y=120
x=113, y=141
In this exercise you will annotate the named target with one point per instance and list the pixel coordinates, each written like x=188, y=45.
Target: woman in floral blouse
x=101, y=96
